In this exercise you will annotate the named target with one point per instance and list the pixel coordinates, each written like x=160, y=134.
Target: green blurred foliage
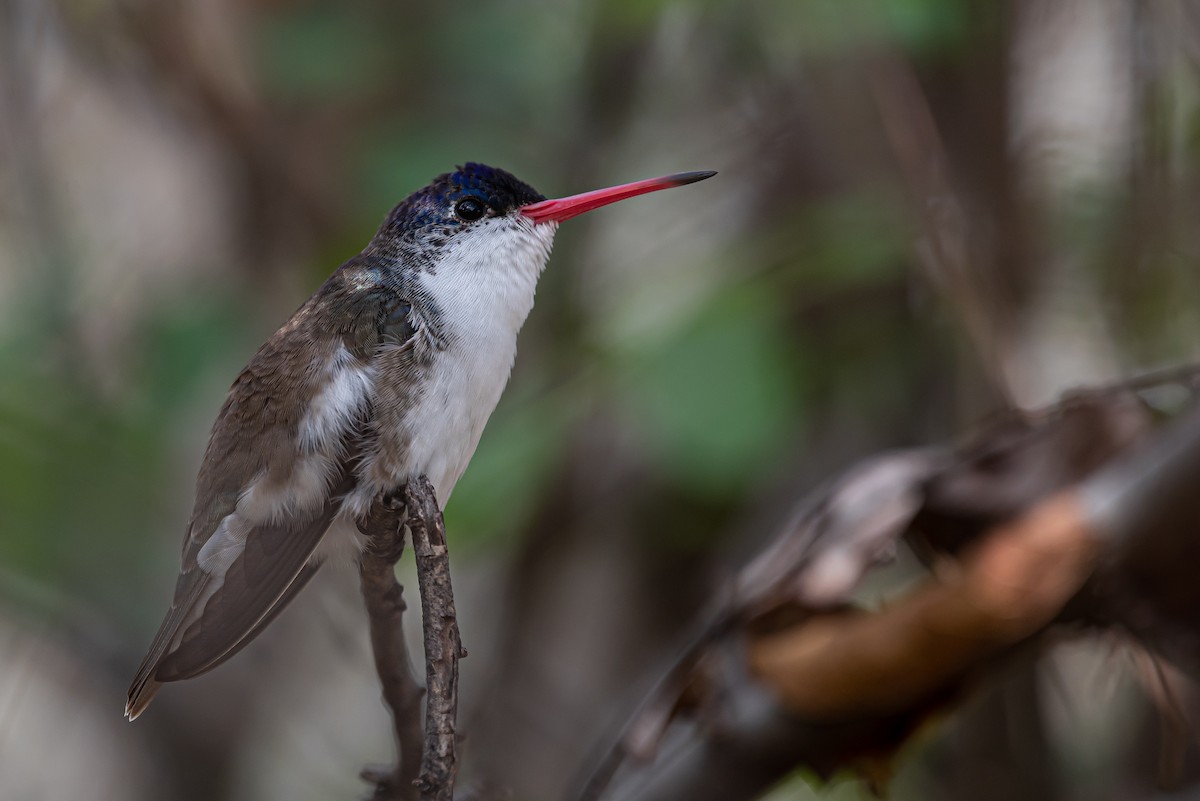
x=524, y=443
x=320, y=51
x=718, y=401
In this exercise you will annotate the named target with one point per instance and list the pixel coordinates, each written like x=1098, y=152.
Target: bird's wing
x=280, y=458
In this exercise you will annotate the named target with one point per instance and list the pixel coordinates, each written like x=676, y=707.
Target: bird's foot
x=384, y=525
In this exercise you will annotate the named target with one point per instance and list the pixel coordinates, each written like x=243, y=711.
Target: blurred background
x=926, y=210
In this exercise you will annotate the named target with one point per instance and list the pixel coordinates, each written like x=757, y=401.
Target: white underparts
x=484, y=288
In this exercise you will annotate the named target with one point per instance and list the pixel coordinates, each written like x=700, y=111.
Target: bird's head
x=480, y=215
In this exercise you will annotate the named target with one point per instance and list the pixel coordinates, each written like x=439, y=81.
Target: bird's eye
x=470, y=209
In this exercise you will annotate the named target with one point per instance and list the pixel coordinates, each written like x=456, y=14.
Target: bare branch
x=426, y=766
x=443, y=647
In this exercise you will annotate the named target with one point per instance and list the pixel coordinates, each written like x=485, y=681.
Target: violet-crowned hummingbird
x=388, y=372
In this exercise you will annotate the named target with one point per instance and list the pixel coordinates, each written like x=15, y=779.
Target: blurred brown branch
x=1082, y=513
x=839, y=666
x=384, y=528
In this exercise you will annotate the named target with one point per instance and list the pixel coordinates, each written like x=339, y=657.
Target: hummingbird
x=388, y=372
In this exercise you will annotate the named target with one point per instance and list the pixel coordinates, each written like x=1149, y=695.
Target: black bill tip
x=684, y=178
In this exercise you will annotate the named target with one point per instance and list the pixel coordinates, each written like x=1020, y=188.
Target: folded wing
x=281, y=457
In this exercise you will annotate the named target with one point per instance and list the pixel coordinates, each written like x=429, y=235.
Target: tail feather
x=210, y=621
x=144, y=685
x=140, y=695
x=146, y=681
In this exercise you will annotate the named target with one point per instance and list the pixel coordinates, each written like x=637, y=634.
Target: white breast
x=483, y=288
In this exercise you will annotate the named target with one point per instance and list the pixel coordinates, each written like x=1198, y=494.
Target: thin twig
x=384, y=528
x=443, y=648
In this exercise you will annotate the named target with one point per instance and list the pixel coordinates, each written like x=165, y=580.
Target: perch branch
x=383, y=595
x=443, y=648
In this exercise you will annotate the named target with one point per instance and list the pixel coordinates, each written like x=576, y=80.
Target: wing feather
x=255, y=588
x=266, y=493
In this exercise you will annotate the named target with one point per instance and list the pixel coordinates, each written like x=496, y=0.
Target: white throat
x=483, y=284
x=483, y=288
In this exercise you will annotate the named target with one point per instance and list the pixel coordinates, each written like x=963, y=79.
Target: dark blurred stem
x=443, y=648
x=384, y=528
x=946, y=256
